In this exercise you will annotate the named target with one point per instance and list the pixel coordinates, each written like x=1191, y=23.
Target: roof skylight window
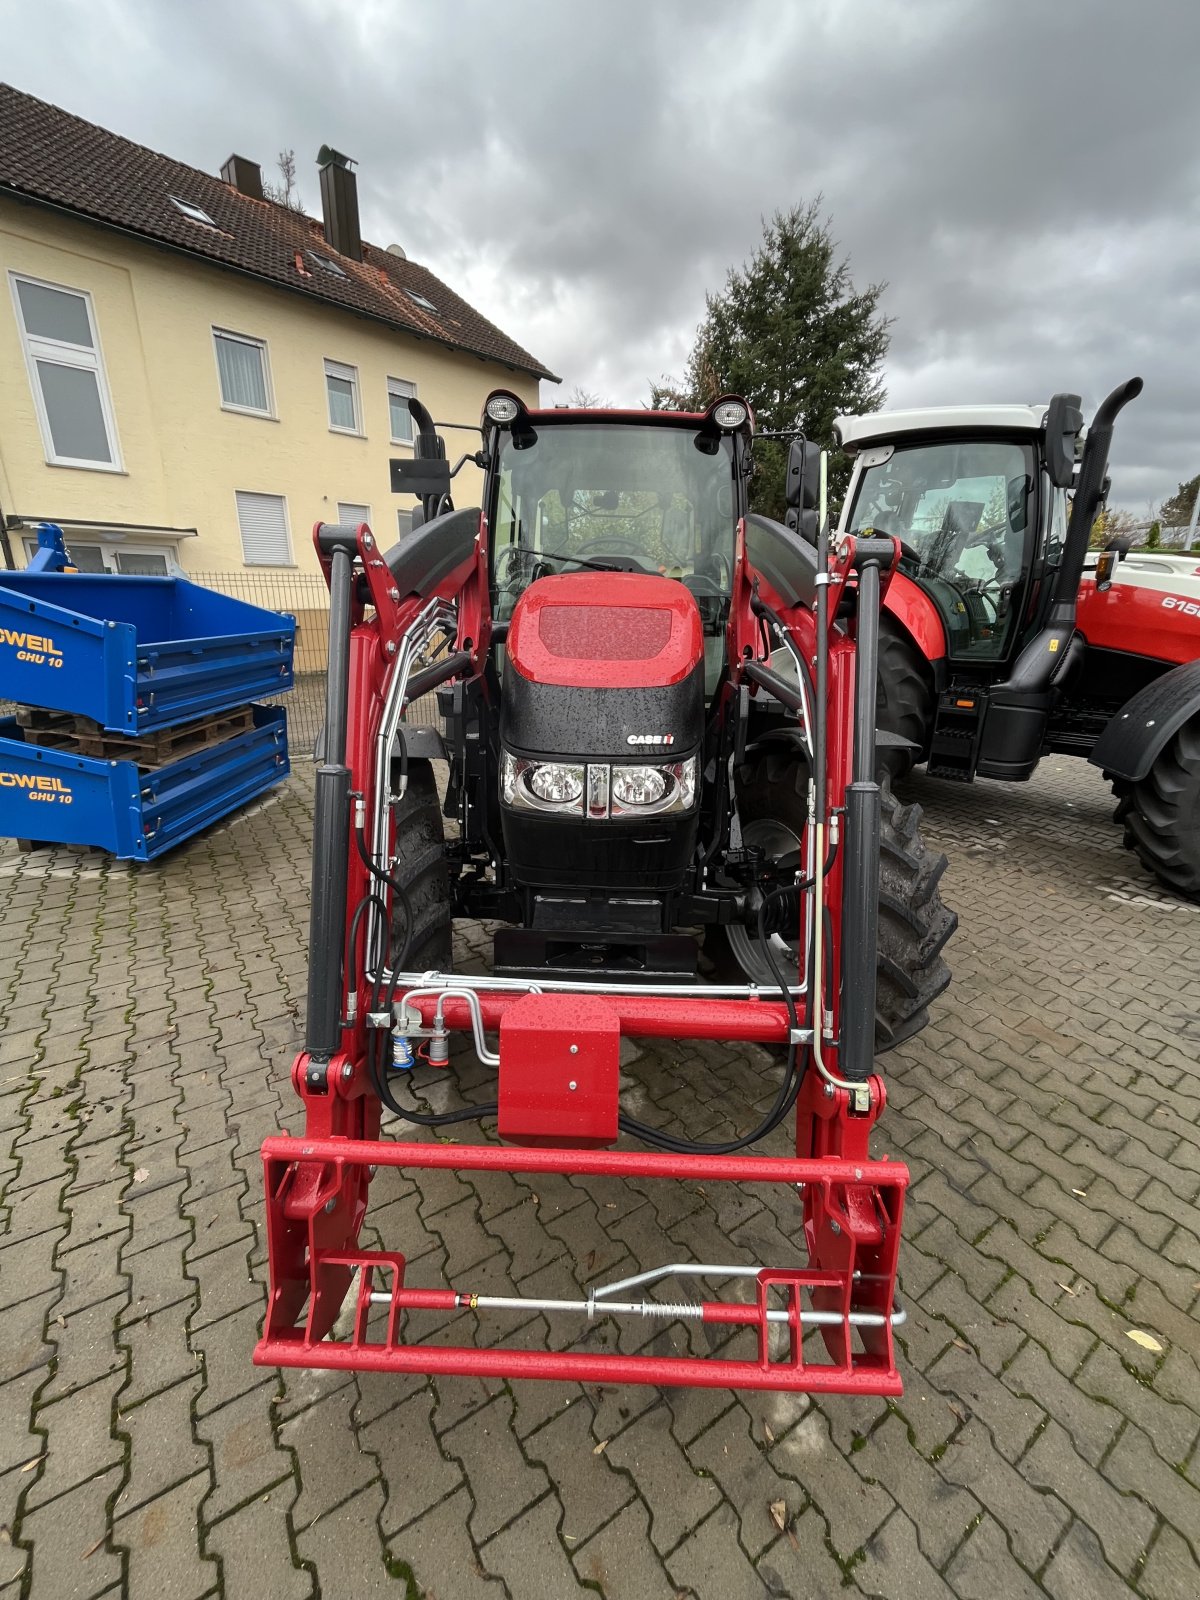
x=325, y=264
x=192, y=212
x=420, y=300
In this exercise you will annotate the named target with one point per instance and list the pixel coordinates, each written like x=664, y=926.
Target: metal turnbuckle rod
x=598, y=1301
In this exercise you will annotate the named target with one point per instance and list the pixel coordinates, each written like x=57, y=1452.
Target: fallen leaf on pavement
x=141, y=1175
x=1146, y=1340
x=1082, y=1193
x=91, y=1551
x=1066, y=1287
x=767, y=1434
x=29, y=1465
x=600, y=1448
x=779, y=1514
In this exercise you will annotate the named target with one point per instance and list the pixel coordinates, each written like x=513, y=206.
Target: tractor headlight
x=612, y=791
x=638, y=786
x=541, y=785
x=651, y=791
x=556, y=783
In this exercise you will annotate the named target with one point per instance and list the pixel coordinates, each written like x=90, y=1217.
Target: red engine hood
x=606, y=630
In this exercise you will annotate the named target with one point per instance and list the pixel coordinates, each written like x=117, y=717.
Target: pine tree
x=1177, y=511
x=791, y=333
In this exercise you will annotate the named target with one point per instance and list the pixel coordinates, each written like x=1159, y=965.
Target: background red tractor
x=997, y=646
x=658, y=725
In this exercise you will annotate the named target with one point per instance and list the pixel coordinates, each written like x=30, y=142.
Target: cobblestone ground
x=1049, y=1116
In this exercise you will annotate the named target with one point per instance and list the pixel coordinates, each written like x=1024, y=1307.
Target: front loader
x=657, y=779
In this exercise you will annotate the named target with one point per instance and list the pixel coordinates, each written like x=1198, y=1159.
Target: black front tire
x=903, y=699
x=1161, y=814
x=423, y=872
x=914, y=925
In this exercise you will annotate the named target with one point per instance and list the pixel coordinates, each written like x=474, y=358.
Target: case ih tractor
x=625, y=771
x=996, y=647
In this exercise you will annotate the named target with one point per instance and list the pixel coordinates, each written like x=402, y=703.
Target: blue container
x=136, y=653
x=137, y=814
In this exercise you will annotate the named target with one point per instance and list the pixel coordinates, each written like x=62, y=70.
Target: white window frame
x=62, y=354
x=261, y=346
x=347, y=374
x=110, y=548
x=411, y=440
x=287, y=528
x=345, y=505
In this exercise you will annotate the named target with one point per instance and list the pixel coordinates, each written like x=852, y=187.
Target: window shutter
x=263, y=521
x=353, y=514
x=399, y=391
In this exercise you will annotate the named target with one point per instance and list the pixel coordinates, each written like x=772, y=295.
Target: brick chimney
x=339, y=202
x=244, y=176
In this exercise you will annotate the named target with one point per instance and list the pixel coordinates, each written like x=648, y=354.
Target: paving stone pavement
x=1049, y=1116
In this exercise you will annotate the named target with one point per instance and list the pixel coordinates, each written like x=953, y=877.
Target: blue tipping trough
x=136, y=653
x=137, y=814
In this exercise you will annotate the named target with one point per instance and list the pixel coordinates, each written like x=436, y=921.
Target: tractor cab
x=981, y=522
x=573, y=492
x=966, y=511
x=993, y=507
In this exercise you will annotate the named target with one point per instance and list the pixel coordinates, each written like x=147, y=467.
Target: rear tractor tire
x=422, y=871
x=1161, y=813
x=903, y=699
x=914, y=925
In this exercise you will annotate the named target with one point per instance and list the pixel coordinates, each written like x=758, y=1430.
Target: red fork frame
x=310, y=1181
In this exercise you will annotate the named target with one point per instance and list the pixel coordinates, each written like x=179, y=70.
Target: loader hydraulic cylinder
x=331, y=831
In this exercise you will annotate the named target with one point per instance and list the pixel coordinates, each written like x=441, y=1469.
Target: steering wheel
x=515, y=566
x=618, y=544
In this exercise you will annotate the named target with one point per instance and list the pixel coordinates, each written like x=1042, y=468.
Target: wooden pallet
x=81, y=736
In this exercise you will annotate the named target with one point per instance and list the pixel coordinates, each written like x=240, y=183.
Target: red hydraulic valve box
x=560, y=1064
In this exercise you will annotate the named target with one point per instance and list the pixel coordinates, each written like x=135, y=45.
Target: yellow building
x=192, y=375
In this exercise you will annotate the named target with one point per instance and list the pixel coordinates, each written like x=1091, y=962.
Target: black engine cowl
x=605, y=672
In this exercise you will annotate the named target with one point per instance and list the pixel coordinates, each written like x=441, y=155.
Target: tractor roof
x=853, y=433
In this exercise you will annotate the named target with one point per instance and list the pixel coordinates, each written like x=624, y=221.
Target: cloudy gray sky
x=1024, y=174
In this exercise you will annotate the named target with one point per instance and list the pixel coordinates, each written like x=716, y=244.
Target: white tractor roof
x=855, y=432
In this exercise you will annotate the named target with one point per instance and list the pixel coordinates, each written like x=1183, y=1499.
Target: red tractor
x=997, y=646
x=659, y=724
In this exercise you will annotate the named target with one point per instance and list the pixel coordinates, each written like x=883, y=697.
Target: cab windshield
x=961, y=509
x=616, y=496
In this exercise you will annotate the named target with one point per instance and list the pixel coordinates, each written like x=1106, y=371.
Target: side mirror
x=805, y=523
x=1120, y=544
x=802, y=482
x=1064, y=419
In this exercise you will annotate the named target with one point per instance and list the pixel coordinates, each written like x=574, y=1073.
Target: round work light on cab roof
x=502, y=408
x=730, y=414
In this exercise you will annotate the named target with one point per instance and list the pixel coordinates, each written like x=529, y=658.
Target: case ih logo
x=650, y=738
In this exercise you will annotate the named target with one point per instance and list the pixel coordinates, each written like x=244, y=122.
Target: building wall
x=183, y=456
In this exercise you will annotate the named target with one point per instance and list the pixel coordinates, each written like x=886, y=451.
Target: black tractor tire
x=1161, y=813
x=904, y=699
x=422, y=871
x=914, y=925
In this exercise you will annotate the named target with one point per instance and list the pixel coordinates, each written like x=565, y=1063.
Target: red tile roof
x=49, y=156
